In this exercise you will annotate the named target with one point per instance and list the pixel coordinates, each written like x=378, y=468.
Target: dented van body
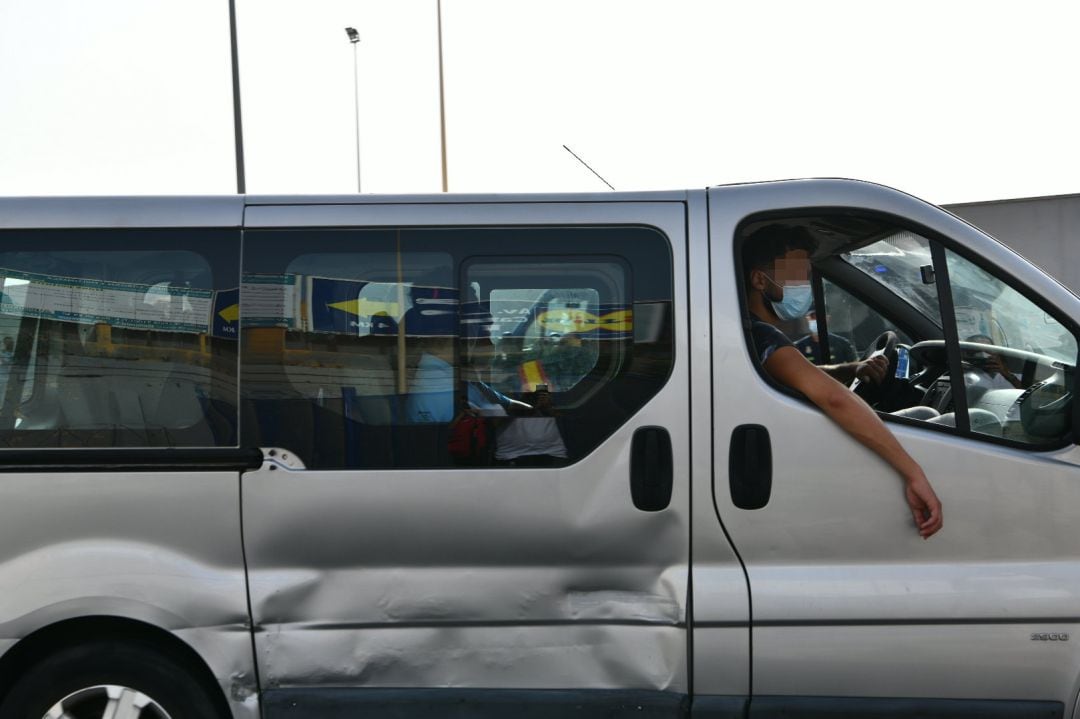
x=227, y=439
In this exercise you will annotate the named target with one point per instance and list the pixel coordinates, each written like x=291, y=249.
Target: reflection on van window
x=117, y=347
x=450, y=347
x=545, y=336
x=563, y=340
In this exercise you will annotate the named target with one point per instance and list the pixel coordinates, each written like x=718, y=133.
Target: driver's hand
x=996, y=365
x=872, y=370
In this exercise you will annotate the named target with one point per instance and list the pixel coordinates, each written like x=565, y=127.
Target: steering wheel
x=932, y=352
x=883, y=346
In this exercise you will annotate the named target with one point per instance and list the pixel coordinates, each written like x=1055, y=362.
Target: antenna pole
x=587, y=167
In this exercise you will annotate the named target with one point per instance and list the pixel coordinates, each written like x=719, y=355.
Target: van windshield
x=896, y=262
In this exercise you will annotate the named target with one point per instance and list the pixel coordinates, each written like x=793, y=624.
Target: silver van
x=513, y=456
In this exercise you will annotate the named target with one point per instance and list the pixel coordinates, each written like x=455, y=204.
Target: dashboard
x=1011, y=393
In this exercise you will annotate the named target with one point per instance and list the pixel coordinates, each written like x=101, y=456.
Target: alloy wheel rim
x=106, y=701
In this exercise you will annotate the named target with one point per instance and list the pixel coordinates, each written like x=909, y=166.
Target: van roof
x=228, y=210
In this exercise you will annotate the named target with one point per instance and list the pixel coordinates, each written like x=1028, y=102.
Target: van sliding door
x=459, y=388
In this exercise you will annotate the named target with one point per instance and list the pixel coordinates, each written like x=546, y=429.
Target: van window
x=1019, y=362
x=853, y=327
x=855, y=258
x=550, y=335
x=1016, y=362
x=368, y=348
x=118, y=338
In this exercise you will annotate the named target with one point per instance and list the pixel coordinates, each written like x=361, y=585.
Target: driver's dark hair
x=762, y=246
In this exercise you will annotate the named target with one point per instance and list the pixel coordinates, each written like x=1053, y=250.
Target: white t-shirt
x=524, y=436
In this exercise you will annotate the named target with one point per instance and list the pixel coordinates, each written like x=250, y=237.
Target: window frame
x=575, y=396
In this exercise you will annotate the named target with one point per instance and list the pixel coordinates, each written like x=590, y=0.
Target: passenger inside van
x=840, y=350
x=776, y=272
x=531, y=437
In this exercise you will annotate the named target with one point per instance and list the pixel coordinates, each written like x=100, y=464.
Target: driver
x=994, y=366
x=776, y=265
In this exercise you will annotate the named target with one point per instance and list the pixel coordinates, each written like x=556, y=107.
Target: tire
x=84, y=678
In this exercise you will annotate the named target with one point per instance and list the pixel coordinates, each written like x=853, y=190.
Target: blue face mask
x=797, y=301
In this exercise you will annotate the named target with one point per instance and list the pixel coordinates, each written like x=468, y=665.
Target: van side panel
x=437, y=594
x=161, y=548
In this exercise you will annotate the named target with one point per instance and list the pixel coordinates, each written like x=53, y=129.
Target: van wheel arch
x=71, y=633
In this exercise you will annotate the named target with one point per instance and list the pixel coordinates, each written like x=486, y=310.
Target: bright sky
x=952, y=101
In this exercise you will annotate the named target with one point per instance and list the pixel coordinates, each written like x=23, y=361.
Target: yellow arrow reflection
x=230, y=313
x=366, y=308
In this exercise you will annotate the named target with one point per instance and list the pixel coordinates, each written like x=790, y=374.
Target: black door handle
x=750, y=466
x=651, y=469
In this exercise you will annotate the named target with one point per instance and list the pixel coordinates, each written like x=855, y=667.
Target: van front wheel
x=108, y=679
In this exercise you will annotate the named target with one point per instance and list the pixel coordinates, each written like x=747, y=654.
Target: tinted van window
x=120, y=338
x=368, y=348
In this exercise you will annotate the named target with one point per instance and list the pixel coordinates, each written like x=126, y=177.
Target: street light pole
x=238, y=125
x=442, y=103
x=354, y=38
